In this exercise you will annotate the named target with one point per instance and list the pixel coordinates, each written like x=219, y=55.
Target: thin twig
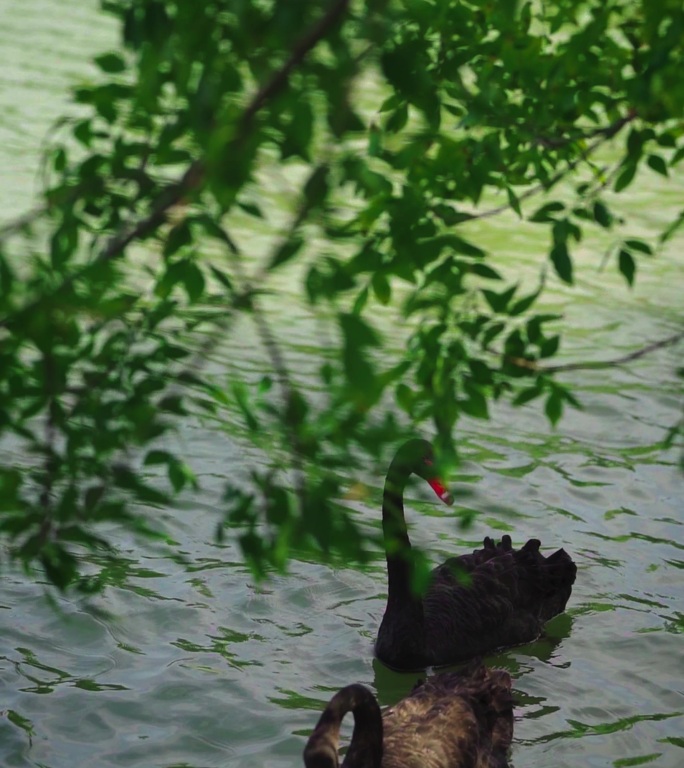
x=606, y=133
x=531, y=365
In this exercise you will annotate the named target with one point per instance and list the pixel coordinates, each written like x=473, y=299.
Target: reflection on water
x=183, y=661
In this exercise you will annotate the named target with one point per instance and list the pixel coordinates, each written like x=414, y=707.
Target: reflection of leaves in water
x=621, y=538
x=611, y=513
x=593, y=607
x=129, y=648
x=639, y=760
x=521, y=471
x=498, y=525
x=598, y=557
x=642, y=601
x=90, y=685
x=678, y=741
x=41, y=686
x=675, y=625
x=580, y=729
x=526, y=701
x=294, y=700
x=201, y=586
x=21, y=722
x=567, y=513
x=299, y=630
x=118, y=572
x=222, y=645
x=58, y=677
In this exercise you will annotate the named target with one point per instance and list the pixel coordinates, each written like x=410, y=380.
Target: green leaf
x=657, y=163
x=111, y=62
x=640, y=246
x=560, y=258
x=484, y=270
x=179, y=236
x=528, y=394
x=514, y=202
x=381, y=288
x=222, y=277
x=549, y=347
x=602, y=215
x=435, y=245
x=252, y=209
x=398, y=119
x=671, y=230
x=476, y=403
x=499, y=301
x=625, y=177
x=317, y=186
x=522, y=305
x=627, y=266
x=244, y=405
x=59, y=160
x=554, y=407
x=357, y=332
x=360, y=301
x=158, y=457
x=286, y=251
x=405, y=397
x=193, y=280
x=491, y=333
x=543, y=214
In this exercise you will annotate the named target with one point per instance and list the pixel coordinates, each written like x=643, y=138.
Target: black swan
x=452, y=720
x=474, y=604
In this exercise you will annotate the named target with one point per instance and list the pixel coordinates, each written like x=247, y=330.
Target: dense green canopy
x=541, y=110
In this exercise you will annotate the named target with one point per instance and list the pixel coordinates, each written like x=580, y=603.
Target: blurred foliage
x=102, y=342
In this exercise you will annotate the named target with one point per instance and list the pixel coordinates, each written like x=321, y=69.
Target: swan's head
x=417, y=457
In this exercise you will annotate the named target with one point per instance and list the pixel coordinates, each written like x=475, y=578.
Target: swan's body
x=452, y=720
x=476, y=603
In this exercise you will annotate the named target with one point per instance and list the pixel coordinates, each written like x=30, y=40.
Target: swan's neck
x=365, y=749
x=397, y=543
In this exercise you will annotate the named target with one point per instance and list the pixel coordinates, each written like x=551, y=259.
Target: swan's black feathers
x=453, y=720
x=497, y=596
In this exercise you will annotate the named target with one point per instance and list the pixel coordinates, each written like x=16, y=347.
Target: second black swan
x=476, y=603
x=452, y=720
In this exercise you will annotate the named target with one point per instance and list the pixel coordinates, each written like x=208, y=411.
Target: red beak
x=441, y=490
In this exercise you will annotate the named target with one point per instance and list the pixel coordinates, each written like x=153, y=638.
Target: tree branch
x=531, y=365
x=602, y=134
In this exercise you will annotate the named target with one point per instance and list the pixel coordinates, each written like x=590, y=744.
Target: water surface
x=188, y=663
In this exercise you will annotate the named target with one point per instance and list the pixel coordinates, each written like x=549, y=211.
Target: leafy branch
x=533, y=366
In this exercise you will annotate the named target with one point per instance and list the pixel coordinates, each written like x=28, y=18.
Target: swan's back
x=511, y=594
x=452, y=720
x=477, y=603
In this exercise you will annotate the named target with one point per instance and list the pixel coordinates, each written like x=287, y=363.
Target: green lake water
x=190, y=664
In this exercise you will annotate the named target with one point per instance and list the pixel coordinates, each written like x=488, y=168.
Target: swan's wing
x=497, y=596
x=451, y=719
x=472, y=602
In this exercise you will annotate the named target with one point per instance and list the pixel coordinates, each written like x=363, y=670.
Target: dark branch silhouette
x=532, y=365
